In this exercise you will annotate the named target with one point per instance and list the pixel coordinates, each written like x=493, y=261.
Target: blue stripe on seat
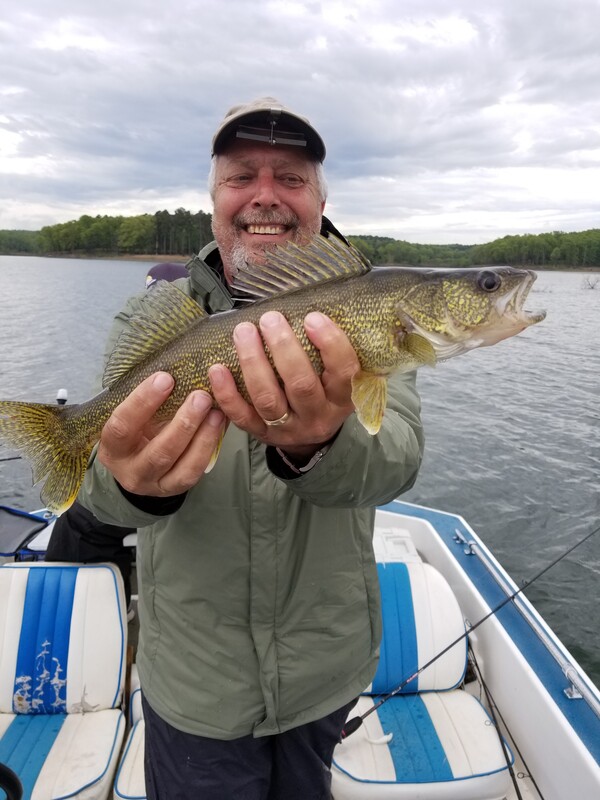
x=399, y=655
x=41, y=670
x=416, y=750
x=26, y=744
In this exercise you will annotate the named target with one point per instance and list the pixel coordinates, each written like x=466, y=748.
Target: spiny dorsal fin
x=290, y=267
x=168, y=312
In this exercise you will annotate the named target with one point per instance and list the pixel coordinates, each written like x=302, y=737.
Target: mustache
x=266, y=217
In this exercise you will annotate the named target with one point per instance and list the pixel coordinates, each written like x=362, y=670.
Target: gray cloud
x=443, y=123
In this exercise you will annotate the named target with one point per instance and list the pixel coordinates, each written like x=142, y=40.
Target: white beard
x=240, y=256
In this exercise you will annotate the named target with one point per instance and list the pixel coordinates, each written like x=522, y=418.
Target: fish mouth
x=512, y=304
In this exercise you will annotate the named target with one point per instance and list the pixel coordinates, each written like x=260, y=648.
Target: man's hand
x=317, y=406
x=164, y=461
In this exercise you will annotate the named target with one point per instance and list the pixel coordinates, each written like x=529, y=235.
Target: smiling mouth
x=266, y=230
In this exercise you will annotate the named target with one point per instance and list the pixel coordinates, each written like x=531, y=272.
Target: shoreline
x=155, y=259
x=182, y=259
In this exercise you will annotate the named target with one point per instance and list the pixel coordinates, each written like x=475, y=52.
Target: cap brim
x=286, y=125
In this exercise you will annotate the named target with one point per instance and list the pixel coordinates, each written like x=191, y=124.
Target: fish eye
x=489, y=281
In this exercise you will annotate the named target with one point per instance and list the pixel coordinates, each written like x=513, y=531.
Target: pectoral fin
x=369, y=395
x=421, y=349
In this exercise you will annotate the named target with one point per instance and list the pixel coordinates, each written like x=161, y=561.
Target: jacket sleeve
x=364, y=470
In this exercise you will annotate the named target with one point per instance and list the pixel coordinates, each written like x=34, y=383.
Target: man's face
x=264, y=195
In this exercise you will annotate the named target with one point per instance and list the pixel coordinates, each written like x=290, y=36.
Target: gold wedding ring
x=281, y=421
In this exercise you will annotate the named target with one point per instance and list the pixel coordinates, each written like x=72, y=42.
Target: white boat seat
x=62, y=653
x=433, y=740
x=129, y=782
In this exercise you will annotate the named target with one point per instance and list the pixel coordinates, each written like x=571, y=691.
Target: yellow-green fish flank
x=395, y=318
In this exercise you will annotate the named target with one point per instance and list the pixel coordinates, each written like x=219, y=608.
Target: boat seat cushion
x=421, y=617
x=432, y=746
x=62, y=638
x=129, y=783
x=62, y=664
x=62, y=755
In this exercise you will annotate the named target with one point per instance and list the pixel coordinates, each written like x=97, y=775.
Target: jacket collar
x=207, y=280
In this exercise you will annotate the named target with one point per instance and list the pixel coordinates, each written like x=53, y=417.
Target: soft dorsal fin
x=290, y=267
x=168, y=312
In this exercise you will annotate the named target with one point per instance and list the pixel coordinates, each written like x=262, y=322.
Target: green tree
x=13, y=241
x=102, y=235
x=137, y=234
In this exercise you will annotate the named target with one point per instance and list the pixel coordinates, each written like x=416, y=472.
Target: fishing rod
x=354, y=724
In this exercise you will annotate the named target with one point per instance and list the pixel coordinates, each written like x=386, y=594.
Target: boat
x=475, y=698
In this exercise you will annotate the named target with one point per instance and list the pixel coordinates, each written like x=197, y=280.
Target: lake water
x=512, y=431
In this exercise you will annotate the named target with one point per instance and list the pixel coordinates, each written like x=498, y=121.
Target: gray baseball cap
x=267, y=120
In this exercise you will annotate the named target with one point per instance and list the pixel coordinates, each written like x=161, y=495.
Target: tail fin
x=47, y=436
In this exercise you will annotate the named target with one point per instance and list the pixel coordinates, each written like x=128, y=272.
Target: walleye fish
x=396, y=319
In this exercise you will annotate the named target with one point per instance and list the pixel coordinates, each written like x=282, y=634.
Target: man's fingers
x=171, y=441
x=313, y=406
x=171, y=459
x=302, y=384
x=261, y=382
x=193, y=462
x=126, y=424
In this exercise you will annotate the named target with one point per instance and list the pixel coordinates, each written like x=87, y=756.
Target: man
x=259, y=602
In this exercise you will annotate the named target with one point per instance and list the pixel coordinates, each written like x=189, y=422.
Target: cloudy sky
x=444, y=122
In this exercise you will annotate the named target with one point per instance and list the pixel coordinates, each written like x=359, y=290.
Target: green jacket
x=258, y=598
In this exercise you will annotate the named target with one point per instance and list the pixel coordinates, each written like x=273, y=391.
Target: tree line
x=381, y=250
x=184, y=233
x=556, y=250
x=162, y=233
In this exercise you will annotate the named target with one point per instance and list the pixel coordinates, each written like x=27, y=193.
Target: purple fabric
x=167, y=271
